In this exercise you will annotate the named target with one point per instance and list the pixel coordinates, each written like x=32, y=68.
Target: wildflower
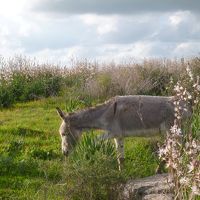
x=177, y=88
x=196, y=101
x=181, y=158
x=194, y=144
x=195, y=190
x=189, y=96
x=184, y=180
x=189, y=73
x=171, y=80
x=162, y=152
x=175, y=109
x=175, y=130
x=198, y=88
x=174, y=165
x=190, y=167
x=176, y=102
x=187, y=145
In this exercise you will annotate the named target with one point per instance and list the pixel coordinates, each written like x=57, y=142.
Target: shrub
x=91, y=172
x=90, y=146
x=6, y=97
x=22, y=79
x=182, y=151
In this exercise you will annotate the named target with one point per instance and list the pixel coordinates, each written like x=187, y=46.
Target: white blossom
x=184, y=180
x=195, y=190
x=190, y=167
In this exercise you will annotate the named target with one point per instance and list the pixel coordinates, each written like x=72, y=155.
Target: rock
x=157, y=197
x=150, y=188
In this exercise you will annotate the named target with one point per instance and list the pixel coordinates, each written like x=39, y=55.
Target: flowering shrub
x=181, y=149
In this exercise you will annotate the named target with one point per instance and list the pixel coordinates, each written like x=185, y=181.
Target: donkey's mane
x=93, y=108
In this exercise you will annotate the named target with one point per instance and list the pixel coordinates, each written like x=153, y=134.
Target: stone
x=150, y=188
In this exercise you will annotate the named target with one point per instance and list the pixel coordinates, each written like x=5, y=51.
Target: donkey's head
x=69, y=135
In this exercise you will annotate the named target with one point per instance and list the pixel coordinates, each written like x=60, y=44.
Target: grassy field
x=31, y=163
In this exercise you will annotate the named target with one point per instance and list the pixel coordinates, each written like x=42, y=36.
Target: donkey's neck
x=88, y=118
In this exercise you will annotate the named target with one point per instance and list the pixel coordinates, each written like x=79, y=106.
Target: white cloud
x=187, y=48
x=175, y=19
x=103, y=24
x=103, y=53
x=108, y=36
x=11, y=8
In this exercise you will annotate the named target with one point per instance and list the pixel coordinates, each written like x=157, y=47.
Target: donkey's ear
x=61, y=113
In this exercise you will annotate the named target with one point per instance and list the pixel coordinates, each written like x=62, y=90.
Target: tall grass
x=91, y=171
x=23, y=79
x=31, y=165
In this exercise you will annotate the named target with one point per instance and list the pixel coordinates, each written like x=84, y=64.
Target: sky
x=103, y=30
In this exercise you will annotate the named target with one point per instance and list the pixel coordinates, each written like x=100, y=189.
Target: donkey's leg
x=120, y=151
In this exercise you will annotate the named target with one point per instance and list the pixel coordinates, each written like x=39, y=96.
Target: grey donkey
x=119, y=117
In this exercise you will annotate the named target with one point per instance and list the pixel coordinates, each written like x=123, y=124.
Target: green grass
x=31, y=164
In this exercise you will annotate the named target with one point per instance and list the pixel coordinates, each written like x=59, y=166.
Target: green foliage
x=43, y=154
x=6, y=97
x=25, y=84
x=15, y=148
x=32, y=166
x=31, y=163
x=195, y=121
x=141, y=159
x=23, y=80
x=99, y=179
x=91, y=172
x=13, y=166
x=73, y=104
x=90, y=146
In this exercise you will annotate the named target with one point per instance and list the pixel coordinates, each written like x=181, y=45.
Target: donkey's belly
x=141, y=132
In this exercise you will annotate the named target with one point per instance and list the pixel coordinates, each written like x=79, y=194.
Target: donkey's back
x=140, y=114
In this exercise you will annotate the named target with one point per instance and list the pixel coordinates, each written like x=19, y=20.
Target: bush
x=91, y=172
x=22, y=79
x=6, y=97
x=181, y=149
x=90, y=146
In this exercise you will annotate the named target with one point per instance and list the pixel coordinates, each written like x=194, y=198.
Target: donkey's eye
x=63, y=134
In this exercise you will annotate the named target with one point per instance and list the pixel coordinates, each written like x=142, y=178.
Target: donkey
x=119, y=117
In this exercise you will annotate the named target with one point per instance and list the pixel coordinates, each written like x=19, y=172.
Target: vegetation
x=23, y=80
x=32, y=167
x=181, y=149
x=31, y=164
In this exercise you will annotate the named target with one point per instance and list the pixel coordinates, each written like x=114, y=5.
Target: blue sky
x=58, y=30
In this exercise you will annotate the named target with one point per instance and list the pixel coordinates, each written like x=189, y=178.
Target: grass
x=31, y=164
x=22, y=79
